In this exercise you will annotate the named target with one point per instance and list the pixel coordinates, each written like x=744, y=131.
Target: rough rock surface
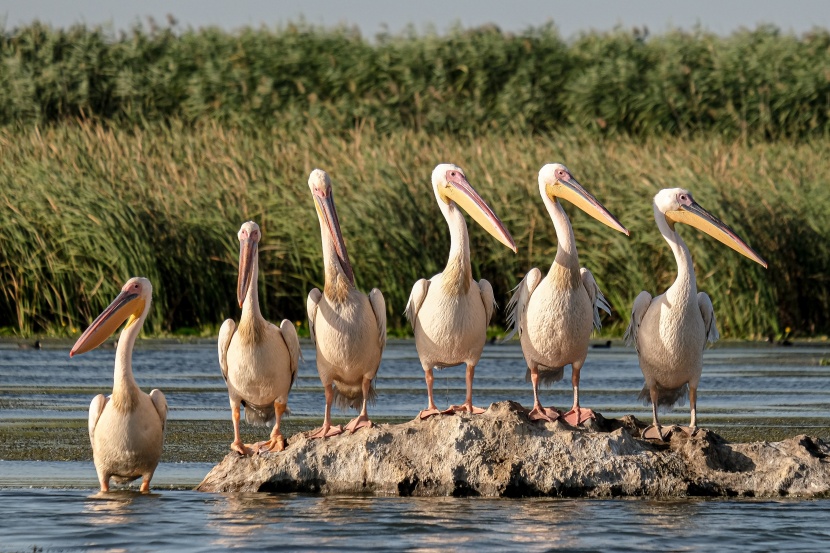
x=502, y=453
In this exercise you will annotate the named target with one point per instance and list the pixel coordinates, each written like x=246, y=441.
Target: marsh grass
x=85, y=206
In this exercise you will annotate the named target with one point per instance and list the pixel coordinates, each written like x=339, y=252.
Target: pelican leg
x=237, y=444
x=655, y=431
x=692, y=428
x=539, y=413
x=577, y=415
x=362, y=420
x=327, y=430
x=145, y=483
x=431, y=408
x=276, y=442
x=468, y=406
x=103, y=480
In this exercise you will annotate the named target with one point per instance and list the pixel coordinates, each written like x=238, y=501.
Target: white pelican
x=347, y=327
x=450, y=312
x=554, y=315
x=259, y=361
x=670, y=331
x=126, y=429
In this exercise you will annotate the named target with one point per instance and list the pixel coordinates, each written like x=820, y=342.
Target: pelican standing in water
x=126, y=429
x=450, y=312
x=259, y=361
x=670, y=331
x=554, y=315
x=347, y=326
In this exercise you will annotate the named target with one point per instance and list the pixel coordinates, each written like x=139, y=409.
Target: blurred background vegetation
x=141, y=153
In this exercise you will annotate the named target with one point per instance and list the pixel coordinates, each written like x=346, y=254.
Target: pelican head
x=678, y=206
x=451, y=188
x=132, y=303
x=249, y=236
x=555, y=181
x=320, y=185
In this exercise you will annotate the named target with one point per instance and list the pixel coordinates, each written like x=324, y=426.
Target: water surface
x=52, y=504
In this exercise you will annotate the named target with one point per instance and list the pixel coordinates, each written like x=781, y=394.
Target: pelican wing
x=161, y=406
x=96, y=407
x=487, y=298
x=641, y=304
x=292, y=341
x=517, y=306
x=225, y=335
x=314, y=298
x=416, y=299
x=598, y=301
x=379, y=308
x=708, y=313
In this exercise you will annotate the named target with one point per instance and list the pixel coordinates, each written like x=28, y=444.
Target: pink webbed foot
x=578, y=415
x=689, y=430
x=241, y=448
x=324, y=432
x=658, y=432
x=432, y=411
x=540, y=413
x=357, y=423
x=276, y=443
x=467, y=408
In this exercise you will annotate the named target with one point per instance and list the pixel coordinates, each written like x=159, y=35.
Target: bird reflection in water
x=115, y=507
x=237, y=515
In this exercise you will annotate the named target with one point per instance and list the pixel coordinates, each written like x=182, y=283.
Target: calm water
x=53, y=505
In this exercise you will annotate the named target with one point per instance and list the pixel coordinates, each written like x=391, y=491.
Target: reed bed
x=753, y=85
x=85, y=206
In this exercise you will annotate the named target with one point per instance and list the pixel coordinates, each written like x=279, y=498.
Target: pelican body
x=555, y=314
x=450, y=312
x=126, y=429
x=258, y=360
x=347, y=326
x=670, y=331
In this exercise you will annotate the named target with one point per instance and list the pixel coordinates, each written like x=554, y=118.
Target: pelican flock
x=258, y=360
x=554, y=315
x=347, y=327
x=670, y=331
x=126, y=429
x=450, y=312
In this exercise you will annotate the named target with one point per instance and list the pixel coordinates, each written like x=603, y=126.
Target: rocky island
x=502, y=454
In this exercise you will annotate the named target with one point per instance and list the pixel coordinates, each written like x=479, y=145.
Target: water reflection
x=114, y=507
x=237, y=518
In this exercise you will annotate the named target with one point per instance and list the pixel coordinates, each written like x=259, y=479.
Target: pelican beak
x=462, y=193
x=324, y=202
x=572, y=191
x=694, y=215
x=126, y=305
x=247, y=256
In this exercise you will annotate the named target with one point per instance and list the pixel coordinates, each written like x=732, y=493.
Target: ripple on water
x=192, y=521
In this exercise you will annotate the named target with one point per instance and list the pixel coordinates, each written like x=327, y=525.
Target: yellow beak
x=247, y=256
x=328, y=218
x=458, y=190
x=694, y=215
x=574, y=192
x=125, y=305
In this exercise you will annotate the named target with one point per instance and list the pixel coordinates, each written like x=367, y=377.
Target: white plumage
x=670, y=331
x=450, y=312
x=126, y=429
x=259, y=361
x=347, y=326
x=555, y=314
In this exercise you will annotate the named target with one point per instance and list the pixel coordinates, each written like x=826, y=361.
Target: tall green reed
x=760, y=84
x=83, y=207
